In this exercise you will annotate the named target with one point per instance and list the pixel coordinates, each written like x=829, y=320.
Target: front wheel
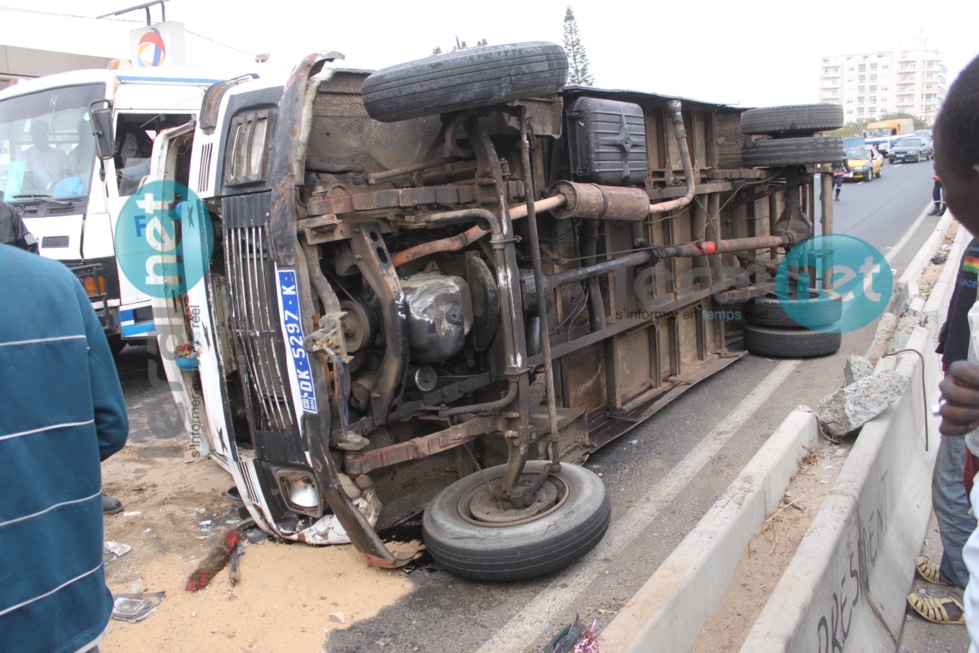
x=471, y=532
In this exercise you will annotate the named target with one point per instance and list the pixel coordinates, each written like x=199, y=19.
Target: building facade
x=910, y=79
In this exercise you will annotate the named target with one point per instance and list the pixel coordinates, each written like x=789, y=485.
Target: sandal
x=929, y=570
x=945, y=610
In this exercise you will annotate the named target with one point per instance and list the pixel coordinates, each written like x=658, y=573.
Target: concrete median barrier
x=845, y=587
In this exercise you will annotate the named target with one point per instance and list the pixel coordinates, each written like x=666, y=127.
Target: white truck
x=441, y=285
x=70, y=176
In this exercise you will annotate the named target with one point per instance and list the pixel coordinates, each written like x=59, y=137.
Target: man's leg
x=951, y=506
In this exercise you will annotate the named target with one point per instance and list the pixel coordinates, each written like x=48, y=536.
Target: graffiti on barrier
x=833, y=629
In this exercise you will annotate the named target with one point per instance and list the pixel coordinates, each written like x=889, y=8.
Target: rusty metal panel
x=632, y=364
x=586, y=378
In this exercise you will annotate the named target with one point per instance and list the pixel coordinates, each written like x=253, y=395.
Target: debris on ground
x=135, y=607
x=215, y=561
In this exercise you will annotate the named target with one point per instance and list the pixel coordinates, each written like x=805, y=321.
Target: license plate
x=292, y=330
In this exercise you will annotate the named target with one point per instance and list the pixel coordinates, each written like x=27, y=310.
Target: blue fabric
x=62, y=413
x=951, y=506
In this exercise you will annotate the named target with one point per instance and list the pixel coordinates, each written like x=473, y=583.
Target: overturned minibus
x=441, y=285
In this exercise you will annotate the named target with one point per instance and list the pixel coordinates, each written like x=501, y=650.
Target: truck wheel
x=790, y=343
x=820, y=310
x=469, y=534
x=465, y=79
x=796, y=119
x=792, y=151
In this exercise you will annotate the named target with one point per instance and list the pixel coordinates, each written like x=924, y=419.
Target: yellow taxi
x=865, y=162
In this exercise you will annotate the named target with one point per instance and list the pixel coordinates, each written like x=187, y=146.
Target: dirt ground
x=288, y=597
x=770, y=550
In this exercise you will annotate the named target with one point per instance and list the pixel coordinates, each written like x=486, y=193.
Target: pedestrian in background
x=63, y=414
x=938, y=198
x=957, y=163
x=840, y=168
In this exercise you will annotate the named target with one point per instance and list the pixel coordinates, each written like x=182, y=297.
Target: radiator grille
x=255, y=323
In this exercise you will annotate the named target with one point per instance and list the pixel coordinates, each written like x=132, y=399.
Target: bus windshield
x=47, y=149
x=879, y=132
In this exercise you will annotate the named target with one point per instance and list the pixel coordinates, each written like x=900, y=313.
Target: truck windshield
x=47, y=149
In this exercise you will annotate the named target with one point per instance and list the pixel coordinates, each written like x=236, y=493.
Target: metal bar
x=420, y=447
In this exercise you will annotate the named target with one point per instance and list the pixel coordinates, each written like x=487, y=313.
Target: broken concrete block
x=856, y=368
x=856, y=404
x=885, y=329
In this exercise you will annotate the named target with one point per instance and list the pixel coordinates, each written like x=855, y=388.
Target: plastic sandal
x=929, y=571
x=945, y=610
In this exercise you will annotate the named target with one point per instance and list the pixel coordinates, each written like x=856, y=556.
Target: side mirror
x=102, y=129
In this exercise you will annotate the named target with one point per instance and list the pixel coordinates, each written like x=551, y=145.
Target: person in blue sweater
x=63, y=413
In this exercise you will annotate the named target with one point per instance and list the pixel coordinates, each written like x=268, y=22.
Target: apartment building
x=910, y=79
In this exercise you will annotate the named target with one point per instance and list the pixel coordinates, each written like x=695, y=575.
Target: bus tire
x=820, y=310
x=463, y=543
x=790, y=343
x=792, y=151
x=465, y=79
x=794, y=119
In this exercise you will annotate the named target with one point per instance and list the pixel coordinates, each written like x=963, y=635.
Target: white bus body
x=70, y=197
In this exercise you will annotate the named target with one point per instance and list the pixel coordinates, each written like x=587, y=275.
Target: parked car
x=912, y=148
x=865, y=162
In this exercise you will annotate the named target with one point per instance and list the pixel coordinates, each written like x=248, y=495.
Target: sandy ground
x=288, y=597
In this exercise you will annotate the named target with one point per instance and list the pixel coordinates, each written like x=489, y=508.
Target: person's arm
x=111, y=420
x=960, y=394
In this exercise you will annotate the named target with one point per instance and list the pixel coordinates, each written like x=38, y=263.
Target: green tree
x=577, y=58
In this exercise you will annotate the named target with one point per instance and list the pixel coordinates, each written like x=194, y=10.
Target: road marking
x=534, y=617
x=899, y=245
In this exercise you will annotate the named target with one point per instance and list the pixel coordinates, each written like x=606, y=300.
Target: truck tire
x=796, y=119
x=820, y=310
x=467, y=544
x=465, y=79
x=792, y=151
x=790, y=343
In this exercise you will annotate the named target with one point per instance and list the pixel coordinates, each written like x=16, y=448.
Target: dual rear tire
x=793, y=328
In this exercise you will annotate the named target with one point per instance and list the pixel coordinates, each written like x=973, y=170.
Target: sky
x=749, y=54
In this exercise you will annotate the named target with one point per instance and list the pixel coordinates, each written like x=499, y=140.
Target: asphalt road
x=662, y=476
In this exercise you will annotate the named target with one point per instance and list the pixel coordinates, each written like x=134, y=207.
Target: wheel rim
x=483, y=505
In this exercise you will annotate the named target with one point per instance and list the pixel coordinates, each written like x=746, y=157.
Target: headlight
x=299, y=491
